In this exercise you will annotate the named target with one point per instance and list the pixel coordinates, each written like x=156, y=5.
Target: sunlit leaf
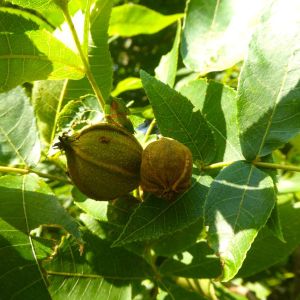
x=98, y=55
x=216, y=33
x=258, y=257
x=128, y=84
x=217, y=103
x=166, y=70
x=133, y=19
x=178, y=118
x=35, y=55
x=269, y=85
x=50, y=10
x=35, y=4
x=47, y=100
x=238, y=205
x=95, y=209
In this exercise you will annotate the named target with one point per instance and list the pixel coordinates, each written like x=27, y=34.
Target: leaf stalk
x=256, y=163
x=4, y=169
x=149, y=131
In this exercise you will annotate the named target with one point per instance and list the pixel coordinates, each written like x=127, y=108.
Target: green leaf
x=166, y=70
x=269, y=86
x=96, y=209
x=176, y=292
x=179, y=119
x=93, y=288
x=47, y=100
x=78, y=113
x=112, y=218
x=55, y=116
x=94, y=226
x=258, y=257
x=238, y=205
x=186, y=79
x=42, y=207
x=49, y=10
x=133, y=19
x=274, y=224
x=21, y=275
x=18, y=21
x=128, y=84
x=119, y=210
x=196, y=262
x=225, y=292
x=73, y=275
x=99, y=56
x=19, y=140
x=217, y=103
x=35, y=55
x=35, y=4
x=98, y=260
x=179, y=240
x=156, y=217
x=26, y=202
x=216, y=33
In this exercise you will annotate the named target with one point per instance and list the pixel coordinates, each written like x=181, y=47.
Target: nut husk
x=166, y=168
x=103, y=161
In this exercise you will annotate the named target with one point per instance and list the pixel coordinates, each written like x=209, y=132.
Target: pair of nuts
x=106, y=162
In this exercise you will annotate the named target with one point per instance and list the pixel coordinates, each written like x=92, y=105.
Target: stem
x=13, y=170
x=276, y=166
x=217, y=165
x=256, y=163
x=49, y=176
x=28, y=171
x=149, y=130
x=86, y=65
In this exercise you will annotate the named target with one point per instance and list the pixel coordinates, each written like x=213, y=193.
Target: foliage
x=221, y=77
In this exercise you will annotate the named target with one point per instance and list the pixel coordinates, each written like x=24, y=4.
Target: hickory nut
x=103, y=160
x=166, y=168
